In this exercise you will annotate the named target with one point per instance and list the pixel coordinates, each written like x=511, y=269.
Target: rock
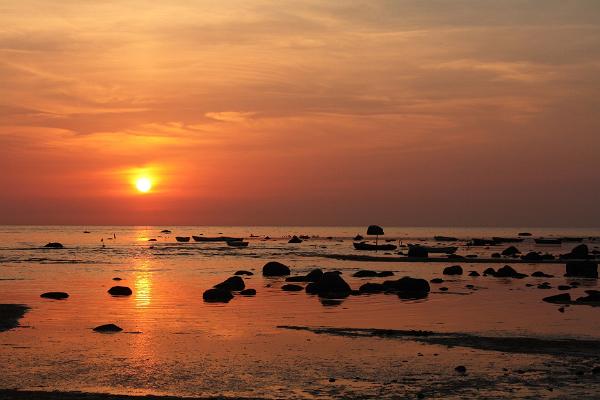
x=120, y=291
x=217, y=296
x=532, y=256
x=524, y=234
x=461, y=369
x=436, y=280
x=331, y=285
x=564, y=287
x=108, y=328
x=474, y=273
x=243, y=272
x=544, y=285
x=312, y=276
x=562, y=298
x=152, y=240
x=384, y=274
x=540, y=274
x=54, y=245
x=409, y=288
x=580, y=252
x=496, y=255
x=470, y=286
x=248, y=292
x=455, y=257
x=489, y=271
x=117, y=279
x=529, y=284
x=471, y=256
x=365, y=273
x=295, y=239
x=510, y=251
x=55, y=295
x=274, y=268
x=453, y=270
x=584, y=269
x=593, y=296
x=444, y=289
x=508, y=272
x=418, y=252
x=232, y=284
x=292, y=288
x=372, y=288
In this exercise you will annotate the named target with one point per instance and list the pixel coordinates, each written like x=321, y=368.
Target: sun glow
x=143, y=184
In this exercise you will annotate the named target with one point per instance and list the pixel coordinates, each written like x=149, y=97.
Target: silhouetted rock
x=510, y=251
x=54, y=245
x=372, y=288
x=232, y=284
x=384, y=274
x=580, y=252
x=496, y=255
x=453, y=270
x=436, y=280
x=108, y=328
x=248, y=292
x=508, y=272
x=474, y=273
x=274, y=268
x=291, y=288
x=489, y=271
x=117, y=279
x=593, y=296
x=331, y=285
x=365, y=273
x=243, y=272
x=532, y=256
x=461, y=369
x=312, y=276
x=55, y=295
x=524, y=234
x=408, y=288
x=584, y=269
x=120, y=291
x=540, y=274
x=444, y=289
x=563, y=298
x=217, y=296
x=544, y=285
x=418, y=252
x=358, y=238
x=564, y=287
x=295, y=239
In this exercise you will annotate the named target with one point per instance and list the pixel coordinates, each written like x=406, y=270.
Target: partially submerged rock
x=508, y=272
x=540, y=274
x=331, y=285
x=532, y=256
x=274, y=268
x=217, y=296
x=295, y=239
x=436, y=280
x=453, y=270
x=510, y=251
x=584, y=269
x=10, y=315
x=489, y=271
x=580, y=252
x=371, y=287
x=292, y=288
x=120, y=291
x=312, y=276
x=418, y=252
x=243, y=272
x=593, y=296
x=108, y=328
x=232, y=284
x=409, y=288
x=55, y=295
x=367, y=273
x=54, y=245
x=474, y=273
x=248, y=292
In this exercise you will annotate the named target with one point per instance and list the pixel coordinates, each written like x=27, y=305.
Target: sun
x=143, y=184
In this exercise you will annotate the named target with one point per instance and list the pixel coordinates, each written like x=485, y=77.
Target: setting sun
x=143, y=184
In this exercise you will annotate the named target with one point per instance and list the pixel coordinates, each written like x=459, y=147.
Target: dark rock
x=562, y=298
x=474, y=273
x=540, y=274
x=489, y=271
x=292, y=288
x=418, y=252
x=444, y=289
x=217, y=296
x=408, y=288
x=384, y=274
x=579, y=252
x=593, y=296
x=243, y=272
x=120, y=291
x=564, y=287
x=508, y=272
x=365, y=273
x=455, y=257
x=108, y=328
x=55, y=295
x=372, y=288
x=248, y=292
x=532, y=256
x=436, y=280
x=117, y=279
x=54, y=245
x=510, y=251
x=544, y=285
x=274, y=268
x=232, y=284
x=10, y=314
x=585, y=269
x=152, y=240
x=471, y=256
x=496, y=255
x=453, y=270
x=331, y=285
x=470, y=286
x=461, y=369
x=314, y=275
x=295, y=239
x=529, y=284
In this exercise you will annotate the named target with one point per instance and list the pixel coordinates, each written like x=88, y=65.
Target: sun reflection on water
x=143, y=286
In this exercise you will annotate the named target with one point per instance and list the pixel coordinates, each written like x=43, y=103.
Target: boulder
x=563, y=298
x=474, y=273
x=540, y=274
x=312, y=276
x=331, y=285
x=436, y=280
x=584, y=269
x=243, y=272
x=217, y=296
x=580, y=252
x=365, y=273
x=291, y=288
x=372, y=288
x=510, y=251
x=418, y=252
x=232, y=284
x=120, y=291
x=408, y=288
x=108, y=328
x=274, y=268
x=295, y=239
x=508, y=272
x=55, y=295
x=593, y=296
x=532, y=256
x=489, y=271
x=496, y=255
x=54, y=245
x=453, y=270
x=248, y=292
x=117, y=279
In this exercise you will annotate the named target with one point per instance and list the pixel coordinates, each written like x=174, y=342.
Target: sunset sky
x=300, y=112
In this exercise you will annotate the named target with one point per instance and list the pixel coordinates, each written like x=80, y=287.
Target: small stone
x=55, y=295
x=108, y=328
x=461, y=369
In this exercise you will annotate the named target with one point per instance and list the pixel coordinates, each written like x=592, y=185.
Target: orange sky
x=300, y=112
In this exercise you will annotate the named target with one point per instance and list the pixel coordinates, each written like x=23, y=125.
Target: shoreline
x=359, y=257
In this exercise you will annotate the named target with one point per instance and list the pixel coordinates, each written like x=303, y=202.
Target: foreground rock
x=408, y=288
x=217, y=296
x=54, y=245
x=10, y=315
x=583, y=269
x=120, y=291
x=274, y=268
x=453, y=270
x=233, y=284
x=55, y=295
x=593, y=296
x=331, y=286
x=108, y=328
x=563, y=298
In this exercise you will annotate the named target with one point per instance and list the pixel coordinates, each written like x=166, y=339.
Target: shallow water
x=174, y=343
